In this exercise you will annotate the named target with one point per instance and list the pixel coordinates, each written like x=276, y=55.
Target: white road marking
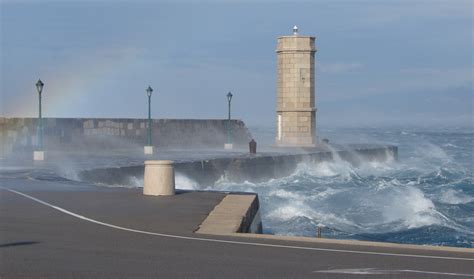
x=440, y=273
x=230, y=241
x=374, y=271
x=370, y=271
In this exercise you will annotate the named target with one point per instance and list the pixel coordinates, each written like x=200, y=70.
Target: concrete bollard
x=159, y=178
x=38, y=155
x=148, y=150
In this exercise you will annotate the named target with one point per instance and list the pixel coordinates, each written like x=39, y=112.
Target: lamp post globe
x=39, y=86
x=149, y=90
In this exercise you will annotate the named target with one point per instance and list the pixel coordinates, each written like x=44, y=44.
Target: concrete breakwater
x=236, y=213
x=100, y=133
x=247, y=167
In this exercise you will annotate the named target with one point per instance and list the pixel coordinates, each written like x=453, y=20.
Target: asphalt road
x=96, y=232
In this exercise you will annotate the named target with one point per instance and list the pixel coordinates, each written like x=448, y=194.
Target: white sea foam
x=428, y=150
x=455, y=197
x=136, y=182
x=68, y=170
x=394, y=205
x=292, y=210
x=324, y=171
x=411, y=208
x=286, y=194
x=322, y=195
x=185, y=183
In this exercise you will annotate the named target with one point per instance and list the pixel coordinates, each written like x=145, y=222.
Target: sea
x=424, y=197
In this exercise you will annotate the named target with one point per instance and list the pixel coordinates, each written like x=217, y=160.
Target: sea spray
x=424, y=197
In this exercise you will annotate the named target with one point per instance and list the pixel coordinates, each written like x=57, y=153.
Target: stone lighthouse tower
x=296, y=111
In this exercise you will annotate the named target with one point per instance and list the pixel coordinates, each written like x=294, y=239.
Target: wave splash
x=371, y=199
x=426, y=197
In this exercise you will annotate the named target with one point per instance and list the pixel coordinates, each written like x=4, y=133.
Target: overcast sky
x=377, y=61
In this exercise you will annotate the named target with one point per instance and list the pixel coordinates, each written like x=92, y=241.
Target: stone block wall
x=97, y=133
x=296, y=112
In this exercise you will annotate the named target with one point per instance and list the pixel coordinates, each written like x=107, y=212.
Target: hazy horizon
x=390, y=63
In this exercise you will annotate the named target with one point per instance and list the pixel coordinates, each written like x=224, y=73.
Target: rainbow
x=72, y=84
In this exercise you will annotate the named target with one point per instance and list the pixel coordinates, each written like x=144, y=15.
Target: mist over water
x=426, y=197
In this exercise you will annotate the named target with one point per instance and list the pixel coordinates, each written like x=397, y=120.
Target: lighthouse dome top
x=295, y=30
x=296, y=34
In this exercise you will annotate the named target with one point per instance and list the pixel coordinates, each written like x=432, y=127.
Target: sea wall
x=100, y=133
x=247, y=167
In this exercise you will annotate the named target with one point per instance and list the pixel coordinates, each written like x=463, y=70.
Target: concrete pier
x=254, y=168
x=98, y=232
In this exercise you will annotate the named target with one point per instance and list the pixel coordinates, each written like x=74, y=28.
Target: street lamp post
x=38, y=154
x=149, y=148
x=229, y=144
